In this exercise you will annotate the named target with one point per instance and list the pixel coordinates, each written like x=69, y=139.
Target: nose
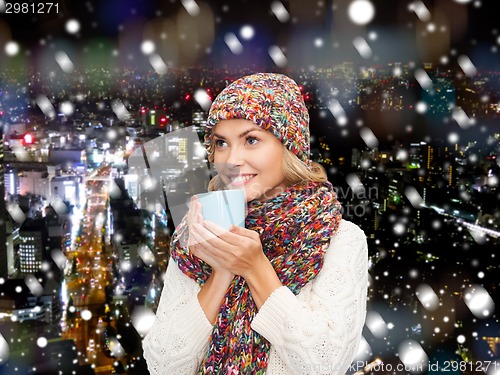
x=235, y=158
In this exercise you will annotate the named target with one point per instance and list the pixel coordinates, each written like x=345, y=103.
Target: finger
x=199, y=241
x=199, y=212
x=204, y=232
x=195, y=210
x=214, y=228
x=192, y=209
x=194, y=213
x=218, y=246
x=244, y=232
x=222, y=233
x=195, y=238
x=201, y=251
x=192, y=219
x=206, y=251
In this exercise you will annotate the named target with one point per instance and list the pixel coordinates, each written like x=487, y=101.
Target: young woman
x=284, y=295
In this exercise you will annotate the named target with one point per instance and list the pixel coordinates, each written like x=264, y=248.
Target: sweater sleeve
x=180, y=333
x=318, y=331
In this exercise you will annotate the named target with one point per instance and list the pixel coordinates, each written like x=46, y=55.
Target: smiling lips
x=242, y=179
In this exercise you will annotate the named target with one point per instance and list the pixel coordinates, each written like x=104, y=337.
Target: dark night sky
x=472, y=28
x=111, y=33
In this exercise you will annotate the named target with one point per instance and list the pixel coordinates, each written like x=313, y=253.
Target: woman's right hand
x=193, y=216
x=196, y=242
x=214, y=289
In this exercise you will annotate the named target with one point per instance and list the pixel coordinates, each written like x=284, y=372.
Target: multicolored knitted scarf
x=295, y=228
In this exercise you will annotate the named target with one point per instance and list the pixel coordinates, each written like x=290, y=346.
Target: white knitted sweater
x=315, y=332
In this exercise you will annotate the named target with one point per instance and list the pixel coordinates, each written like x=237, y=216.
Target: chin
x=261, y=195
x=251, y=197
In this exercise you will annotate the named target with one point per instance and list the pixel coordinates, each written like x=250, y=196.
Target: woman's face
x=248, y=157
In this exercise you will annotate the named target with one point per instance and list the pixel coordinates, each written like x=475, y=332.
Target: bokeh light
x=12, y=48
x=86, y=314
x=67, y=108
x=361, y=12
x=72, y=26
x=41, y=342
x=147, y=47
x=247, y=32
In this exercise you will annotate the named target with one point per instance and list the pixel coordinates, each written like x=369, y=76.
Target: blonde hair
x=294, y=170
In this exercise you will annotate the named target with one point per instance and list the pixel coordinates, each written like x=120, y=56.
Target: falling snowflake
x=479, y=301
x=355, y=183
x=120, y=110
x=338, y=112
x=203, y=99
x=46, y=106
x=423, y=79
x=158, y=64
x=33, y=285
x=368, y=137
x=413, y=196
x=116, y=348
x=280, y=11
x=412, y=355
x=191, y=7
x=420, y=10
x=64, y=62
x=376, y=324
x=233, y=43
x=142, y=320
x=277, y=56
x=427, y=297
x=363, y=48
x=59, y=258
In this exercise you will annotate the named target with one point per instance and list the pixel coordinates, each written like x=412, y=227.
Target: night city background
x=404, y=98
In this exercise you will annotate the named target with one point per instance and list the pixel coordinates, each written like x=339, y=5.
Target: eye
x=218, y=143
x=250, y=139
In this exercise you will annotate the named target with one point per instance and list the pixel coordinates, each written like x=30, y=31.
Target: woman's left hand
x=238, y=250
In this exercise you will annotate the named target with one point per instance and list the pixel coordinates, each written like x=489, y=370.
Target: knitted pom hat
x=273, y=102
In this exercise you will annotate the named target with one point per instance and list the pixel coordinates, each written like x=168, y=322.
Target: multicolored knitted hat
x=270, y=100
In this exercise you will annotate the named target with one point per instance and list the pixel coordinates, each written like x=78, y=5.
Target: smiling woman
x=286, y=294
x=242, y=159
x=264, y=147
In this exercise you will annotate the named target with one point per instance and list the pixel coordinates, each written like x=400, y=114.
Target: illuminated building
x=34, y=182
x=11, y=245
x=66, y=187
x=32, y=243
x=3, y=210
x=11, y=182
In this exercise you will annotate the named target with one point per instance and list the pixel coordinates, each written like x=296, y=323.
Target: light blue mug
x=224, y=207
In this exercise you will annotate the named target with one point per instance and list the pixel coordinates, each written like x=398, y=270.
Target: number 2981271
x=29, y=8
